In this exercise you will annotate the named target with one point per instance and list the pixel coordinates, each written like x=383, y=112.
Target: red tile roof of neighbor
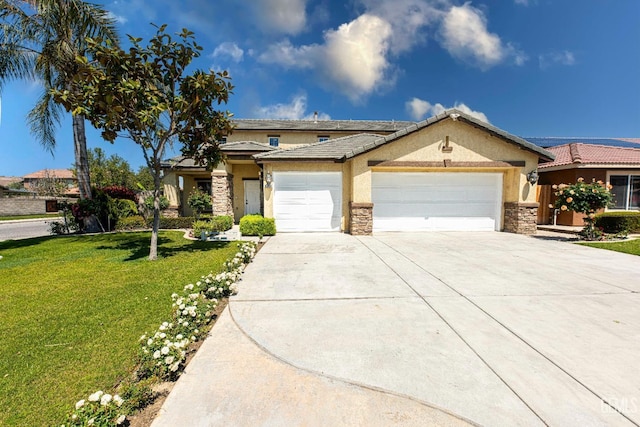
x=51, y=173
x=590, y=154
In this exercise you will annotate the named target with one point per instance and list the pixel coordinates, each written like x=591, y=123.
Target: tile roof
x=341, y=149
x=332, y=149
x=5, y=181
x=547, y=142
x=321, y=125
x=590, y=154
x=245, y=146
x=51, y=173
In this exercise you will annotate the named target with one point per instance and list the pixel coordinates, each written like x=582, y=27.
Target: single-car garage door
x=436, y=201
x=307, y=201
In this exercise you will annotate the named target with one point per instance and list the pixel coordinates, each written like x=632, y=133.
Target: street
x=24, y=229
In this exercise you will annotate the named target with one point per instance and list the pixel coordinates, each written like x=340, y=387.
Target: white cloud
x=295, y=110
x=228, y=49
x=556, y=58
x=118, y=18
x=465, y=35
x=281, y=16
x=420, y=109
x=408, y=19
x=353, y=58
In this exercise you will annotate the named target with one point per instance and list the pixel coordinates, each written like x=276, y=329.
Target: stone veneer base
x=521, y=218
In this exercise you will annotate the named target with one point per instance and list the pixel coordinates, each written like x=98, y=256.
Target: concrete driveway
x=491, y=329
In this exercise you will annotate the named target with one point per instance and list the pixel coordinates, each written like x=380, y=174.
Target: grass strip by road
x=73, y=308
x=38, y=216
x=628, y=247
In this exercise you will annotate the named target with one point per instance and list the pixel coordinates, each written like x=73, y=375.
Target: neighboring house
x=43, y=179
x=450, y=172
x=613, y=165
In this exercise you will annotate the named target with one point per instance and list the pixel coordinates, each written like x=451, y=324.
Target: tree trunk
x=82, y=162
x=153, y=248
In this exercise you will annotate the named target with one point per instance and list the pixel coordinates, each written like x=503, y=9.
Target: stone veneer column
x=222, y=192
x=520, y=218
x=361, y=218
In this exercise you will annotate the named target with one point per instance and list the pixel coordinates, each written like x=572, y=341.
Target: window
x=204, y=185
x=223, y=140
x=323, y=138
x=274, y=140
x=626, y=191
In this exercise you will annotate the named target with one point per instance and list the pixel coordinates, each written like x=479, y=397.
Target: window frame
x=629, y=175
x=323, y=138
x=271, y=138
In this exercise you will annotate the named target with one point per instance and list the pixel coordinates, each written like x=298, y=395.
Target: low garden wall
x=10, y=206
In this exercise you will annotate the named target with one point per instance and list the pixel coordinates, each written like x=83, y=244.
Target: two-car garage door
x=436, y=201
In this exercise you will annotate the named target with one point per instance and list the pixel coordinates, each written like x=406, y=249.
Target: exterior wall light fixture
x=532, y=177
x=268, y=179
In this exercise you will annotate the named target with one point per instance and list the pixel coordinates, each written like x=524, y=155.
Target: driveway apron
x=433, y=328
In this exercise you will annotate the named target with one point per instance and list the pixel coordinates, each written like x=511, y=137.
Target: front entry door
x=251, y=197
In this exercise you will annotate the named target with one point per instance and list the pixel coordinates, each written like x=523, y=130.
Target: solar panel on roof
x=546, y=142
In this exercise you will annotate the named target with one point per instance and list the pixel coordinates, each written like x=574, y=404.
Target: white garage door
x=307, y=201
x=437, y=201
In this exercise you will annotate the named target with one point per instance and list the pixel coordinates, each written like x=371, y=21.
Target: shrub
x=199, y=201
x=585, y=199
x=618, y=222
x=172, y=223
x=216, y=223
x=122, y=208
x=148, y=203
x=222, y=222
x=257, y=225
x=135, y=222
x=120, y=192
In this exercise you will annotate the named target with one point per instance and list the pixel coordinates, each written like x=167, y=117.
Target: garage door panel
x=436, y=201
x=307, y=201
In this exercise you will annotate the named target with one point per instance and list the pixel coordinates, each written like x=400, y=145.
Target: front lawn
x=629, y=247
x=73, y=308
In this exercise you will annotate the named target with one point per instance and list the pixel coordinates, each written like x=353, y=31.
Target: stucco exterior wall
x=468, y=145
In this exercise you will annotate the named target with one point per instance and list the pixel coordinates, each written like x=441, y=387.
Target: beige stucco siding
x=469, y=145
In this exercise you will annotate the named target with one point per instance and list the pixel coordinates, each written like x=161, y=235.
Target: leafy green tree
x=199, y=201
x=144, y=178
x=107, y=171
x=40, y=40
x=144, y=94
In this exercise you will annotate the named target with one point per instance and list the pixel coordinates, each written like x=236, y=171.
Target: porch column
x=520, y=218
x=361, y=218
x=222, y=192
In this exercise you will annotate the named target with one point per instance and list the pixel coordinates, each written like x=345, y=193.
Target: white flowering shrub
x=163, y=353
x=100, y=409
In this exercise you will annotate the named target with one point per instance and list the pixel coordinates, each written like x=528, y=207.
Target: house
x=44, y=181
x=618, y=166
x=450, y=172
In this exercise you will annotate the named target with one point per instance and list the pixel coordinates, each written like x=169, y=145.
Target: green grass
x=628, y=247
x=43, y=216
x=73, y=308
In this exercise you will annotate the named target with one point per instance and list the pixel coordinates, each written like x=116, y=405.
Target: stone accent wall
x=222, y=191
x=520, y=218
x=361, y=218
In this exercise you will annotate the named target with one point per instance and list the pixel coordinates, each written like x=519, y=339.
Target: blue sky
x=530, y=67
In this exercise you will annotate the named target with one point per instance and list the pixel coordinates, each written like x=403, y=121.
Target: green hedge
x=135, y=222
x=216, y=223
x=618, y=222
x=173, y=223
x=257, y=225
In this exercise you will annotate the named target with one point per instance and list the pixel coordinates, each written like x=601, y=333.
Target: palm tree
x=40, y=40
